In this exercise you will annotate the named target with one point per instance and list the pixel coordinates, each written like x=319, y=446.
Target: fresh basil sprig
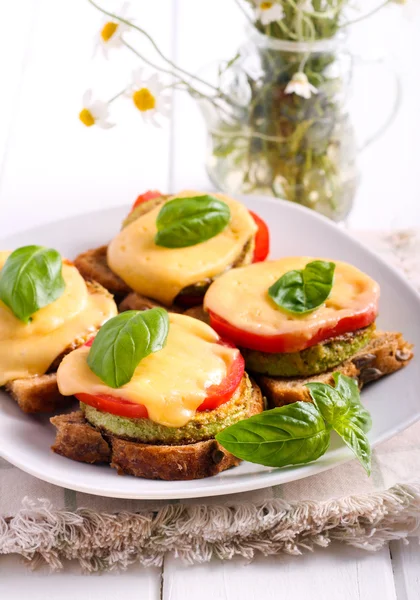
x=302, y=291
x=341, y=409
x=124, y=341
x=30, y=279
x=291, y=435
x=299, y=433
x=183, y=222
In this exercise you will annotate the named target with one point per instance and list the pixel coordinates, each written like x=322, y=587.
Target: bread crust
x=39, y=393
x=386, y=353
x=93, y=264
x=78, y=440
x=135, y=301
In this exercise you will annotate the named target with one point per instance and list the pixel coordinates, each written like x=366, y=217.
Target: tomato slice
x=145, y=197
x=114, y=405
x=220, y=393
x=291, y=342
x=262, y=239
x=216, y=394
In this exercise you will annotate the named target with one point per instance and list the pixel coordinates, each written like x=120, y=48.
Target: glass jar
x=267, y=140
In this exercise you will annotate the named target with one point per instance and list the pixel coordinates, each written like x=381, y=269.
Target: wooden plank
x=405, y=563
x=19, y=582
x=336, y=572
x=56, y=167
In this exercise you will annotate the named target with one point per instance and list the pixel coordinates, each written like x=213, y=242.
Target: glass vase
x=267, y=138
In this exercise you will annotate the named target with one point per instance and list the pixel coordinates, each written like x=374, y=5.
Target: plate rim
x=251, y=483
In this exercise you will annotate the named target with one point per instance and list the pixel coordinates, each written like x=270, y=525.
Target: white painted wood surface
x=50, y=167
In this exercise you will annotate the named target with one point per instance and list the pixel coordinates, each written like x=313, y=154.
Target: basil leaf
x=124, y=341
x=341, y=403
x=349, y=388
x=30, y=279
x=357, y=441
x=342, y=410
x=331, y=404
x=184, y=222
x=302, y=291
x=291, y=435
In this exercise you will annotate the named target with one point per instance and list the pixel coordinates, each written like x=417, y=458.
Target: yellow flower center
x=144, y=100
x=108, y=31
x=266, y=5
x=86, y=117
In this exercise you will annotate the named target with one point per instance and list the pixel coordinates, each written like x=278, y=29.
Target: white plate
x=393, y=402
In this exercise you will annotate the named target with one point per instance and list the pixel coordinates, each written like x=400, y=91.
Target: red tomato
x=216, y=394
x=145, y=197
x=114, y=405
x=291, y=342
x=262, y=239
x=222, y=392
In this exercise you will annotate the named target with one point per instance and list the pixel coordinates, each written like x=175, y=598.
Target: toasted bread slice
x=39, y=393
x=135, y=301
x=78, y=440
x=387, y=352
x=93, y=264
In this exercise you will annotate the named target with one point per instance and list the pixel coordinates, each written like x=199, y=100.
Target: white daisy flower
x=268, y=12
x=94, y=112
x=147, y=97
x=300, y=86
x=110, y=35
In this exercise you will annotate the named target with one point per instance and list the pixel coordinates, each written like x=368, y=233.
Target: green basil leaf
x=302, y=291
x=30, y=279
x=357, y=441
x=124, y=341
x=349, y=388
x=342, y=410
x=291, y=435
x=331, y=404
x=184, y=222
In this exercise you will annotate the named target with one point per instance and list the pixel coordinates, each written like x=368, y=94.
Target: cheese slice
x=29, y=349
x=171, y=383
x=161, y=273
x=241, y=297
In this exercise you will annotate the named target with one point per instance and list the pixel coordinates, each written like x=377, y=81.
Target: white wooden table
x=52, y=167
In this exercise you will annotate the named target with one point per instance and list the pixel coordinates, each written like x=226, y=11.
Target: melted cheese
x=171, y=383
x=241, y=297
x=161, y=273
x=29, y=349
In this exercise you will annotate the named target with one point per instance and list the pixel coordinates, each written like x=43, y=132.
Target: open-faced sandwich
x=299, y=319
x=172, y=247
x=46, y=310
x=155, y=388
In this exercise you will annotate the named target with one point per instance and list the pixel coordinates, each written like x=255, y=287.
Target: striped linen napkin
x=45, y=523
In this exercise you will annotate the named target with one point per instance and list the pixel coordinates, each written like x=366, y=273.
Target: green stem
x=189, y=87
x=155, y=46
x=366, y=15
x=117, y=96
